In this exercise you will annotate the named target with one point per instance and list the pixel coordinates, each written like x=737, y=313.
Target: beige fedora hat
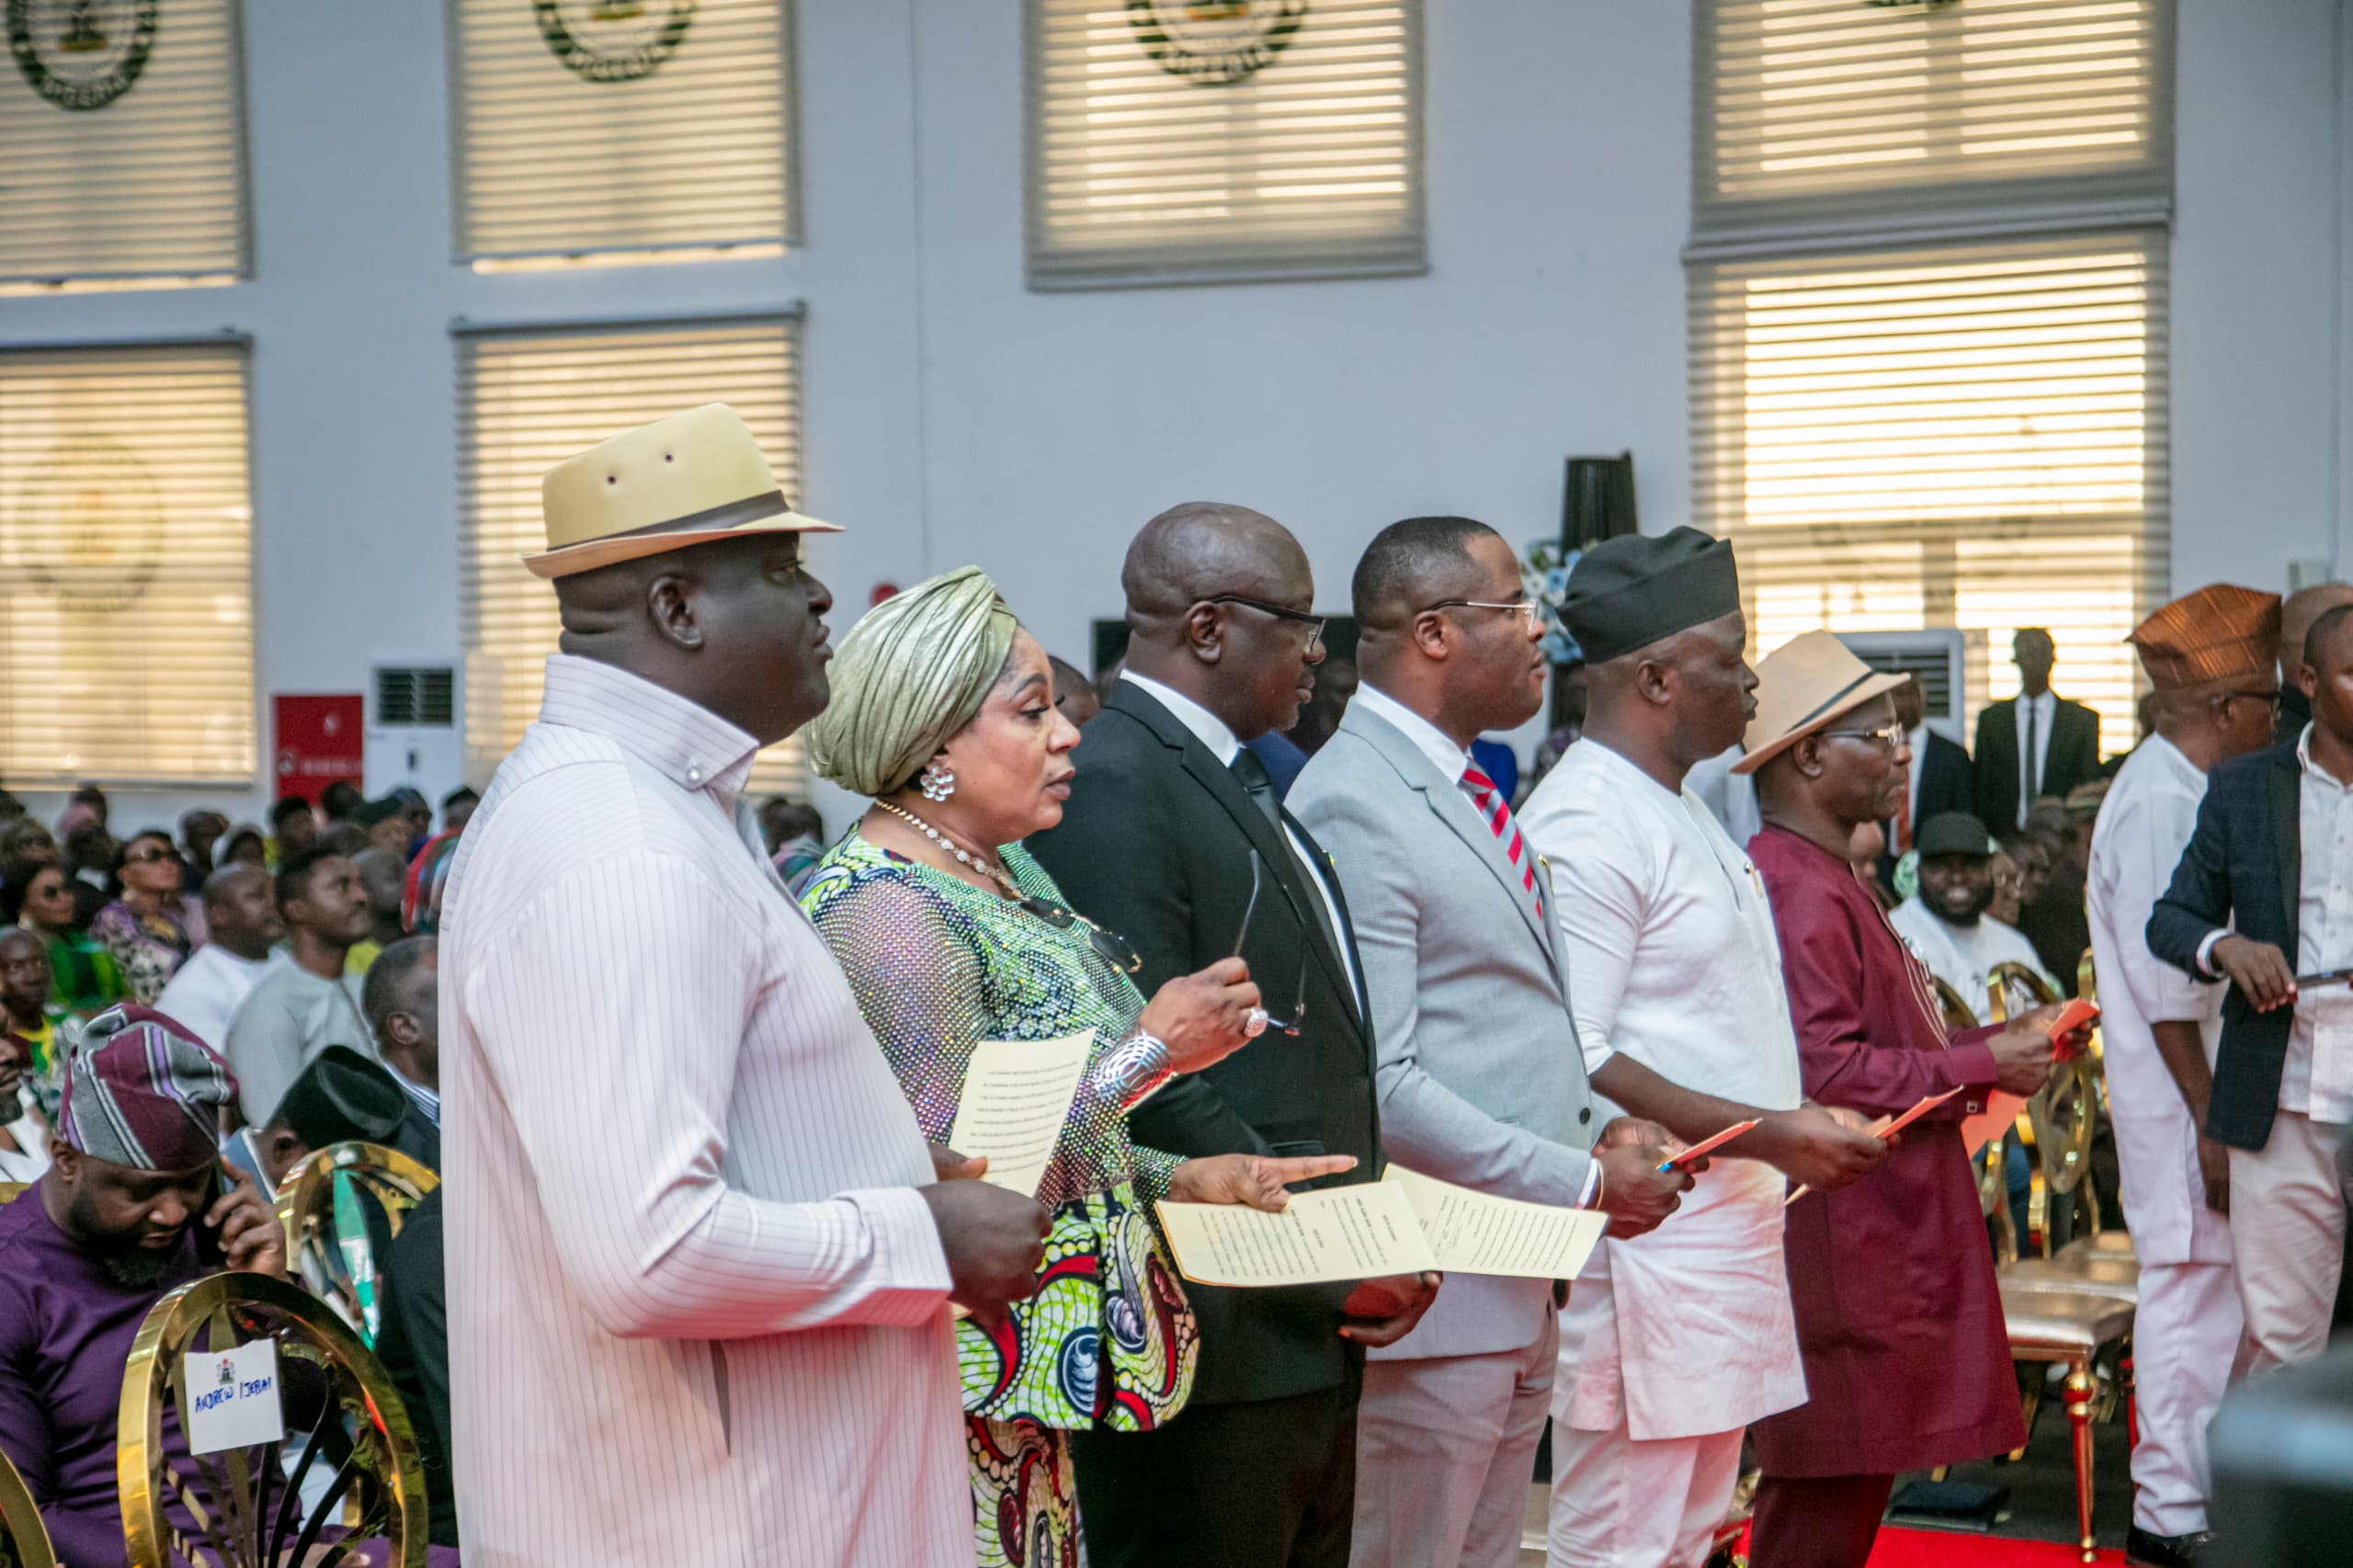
x=1801, y=686
x=689, y=479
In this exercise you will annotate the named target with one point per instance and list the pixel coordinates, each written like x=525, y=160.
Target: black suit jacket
x=1944, y=781
x=1156, y=844
x=2072, y=758
x=2243, y=867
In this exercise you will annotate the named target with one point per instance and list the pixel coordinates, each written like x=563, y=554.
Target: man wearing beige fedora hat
x=1907, y=1361
x=699, y=1286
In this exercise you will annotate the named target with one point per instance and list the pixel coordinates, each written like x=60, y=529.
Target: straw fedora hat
x=689, y=479
x=1801, y=686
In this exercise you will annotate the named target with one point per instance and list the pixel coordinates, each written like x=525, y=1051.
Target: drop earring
x=938, y=780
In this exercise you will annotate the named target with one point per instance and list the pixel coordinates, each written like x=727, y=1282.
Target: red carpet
x=1950, y=1549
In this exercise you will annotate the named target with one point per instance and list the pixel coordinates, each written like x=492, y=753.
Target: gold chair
x=2062, y=1118
x=324, y=1205
x=9, y=1189
x=1992, y=1185
x=247, y=1511
x=24, y=1539
x=2069, y=1329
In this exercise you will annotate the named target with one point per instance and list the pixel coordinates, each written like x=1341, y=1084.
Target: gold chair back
x=24, y=1539
x=1955, y=1007
x=2063, y=1117
x=248, y=1510
x=9, y=1189
x=324, y=1204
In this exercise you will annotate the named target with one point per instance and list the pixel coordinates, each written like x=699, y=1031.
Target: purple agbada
x=66, y=1332
x=1907, y=1360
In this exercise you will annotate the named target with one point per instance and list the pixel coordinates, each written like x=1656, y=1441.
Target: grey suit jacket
x=1480, y=1077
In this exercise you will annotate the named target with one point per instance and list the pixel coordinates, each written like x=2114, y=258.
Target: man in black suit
x=2034, y=745
x=1173, y=837
x=1939, y=777
x=2259, y=897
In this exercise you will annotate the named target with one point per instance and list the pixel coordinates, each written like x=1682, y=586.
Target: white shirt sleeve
x=612, y=1011
x=2149, y=844
x=1598, y=906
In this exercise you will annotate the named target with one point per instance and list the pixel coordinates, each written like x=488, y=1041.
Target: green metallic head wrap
x=910, y=674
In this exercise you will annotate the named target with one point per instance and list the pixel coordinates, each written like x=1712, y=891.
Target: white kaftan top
x=2145, y=824
x=698, y=1313
x=1673, y=961
x=1964, y=955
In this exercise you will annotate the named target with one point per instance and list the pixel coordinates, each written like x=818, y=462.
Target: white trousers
x=1621, y=1502
x=2288, y=1204
x=1446, y=1447
x=2188, y=1336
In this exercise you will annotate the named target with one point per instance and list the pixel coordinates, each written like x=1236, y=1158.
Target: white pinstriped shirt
x=697, y=1312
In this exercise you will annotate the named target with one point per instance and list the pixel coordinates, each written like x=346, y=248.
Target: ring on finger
x=1254, y=1023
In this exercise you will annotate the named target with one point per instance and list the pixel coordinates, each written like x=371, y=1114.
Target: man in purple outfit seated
x=131, y=1208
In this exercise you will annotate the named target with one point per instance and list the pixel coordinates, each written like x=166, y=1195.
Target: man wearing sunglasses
x=1481, y=1080
x=1172, y=836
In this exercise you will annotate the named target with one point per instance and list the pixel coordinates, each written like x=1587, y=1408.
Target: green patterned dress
x=940, y=965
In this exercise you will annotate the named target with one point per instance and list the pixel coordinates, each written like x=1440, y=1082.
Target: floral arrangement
x=1544, y=573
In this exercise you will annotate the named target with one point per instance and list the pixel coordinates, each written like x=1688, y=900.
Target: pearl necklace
x=996, y=874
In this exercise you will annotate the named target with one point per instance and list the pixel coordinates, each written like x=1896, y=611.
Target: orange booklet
x=2001, y=1111
x=1888, y=1126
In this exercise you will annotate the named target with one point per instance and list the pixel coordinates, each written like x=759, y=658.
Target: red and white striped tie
x=1495, y=811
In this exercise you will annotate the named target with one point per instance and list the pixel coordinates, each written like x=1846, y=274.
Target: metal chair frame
x=377, y=1488
x=2060, y=1120
x=341, y=1269
x=24, y=1539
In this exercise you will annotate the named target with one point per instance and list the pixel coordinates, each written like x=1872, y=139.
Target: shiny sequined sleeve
x=920, y=986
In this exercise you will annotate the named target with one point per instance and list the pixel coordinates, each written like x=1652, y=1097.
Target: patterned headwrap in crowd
x=910, y=674
x=142, y=1091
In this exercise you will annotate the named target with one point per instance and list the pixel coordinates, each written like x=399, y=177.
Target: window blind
x=1970, y=436
x=1824, y=114
x=528, y=400
x=586, y=126
x=126, y=570
x=1174, y=143
x=122, y=125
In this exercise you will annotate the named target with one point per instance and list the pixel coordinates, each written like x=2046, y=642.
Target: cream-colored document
x=1017, y=1098
x=1402, y=1224
x=1337, y=1232
x=1476, y=1232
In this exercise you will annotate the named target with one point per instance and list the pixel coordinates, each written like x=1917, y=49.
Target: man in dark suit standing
x=2265, y=893
x=1174, y=837
x=2034, y=745
x=1939, y=781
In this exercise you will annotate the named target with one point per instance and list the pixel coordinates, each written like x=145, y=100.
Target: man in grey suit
x=1480, y=1078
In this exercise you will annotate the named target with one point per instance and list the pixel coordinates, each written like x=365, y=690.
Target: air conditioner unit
x=413, y=734
x=1944, y=657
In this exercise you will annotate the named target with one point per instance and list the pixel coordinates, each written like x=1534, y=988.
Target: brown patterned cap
x=2219, y=633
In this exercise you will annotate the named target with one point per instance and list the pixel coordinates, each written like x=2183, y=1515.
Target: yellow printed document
x=1402, y=1224
x=1474, y=1232
x=1017, y=1098
x=1337, y=1232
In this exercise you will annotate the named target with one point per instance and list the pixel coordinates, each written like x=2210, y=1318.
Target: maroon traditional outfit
x=1907, y=1358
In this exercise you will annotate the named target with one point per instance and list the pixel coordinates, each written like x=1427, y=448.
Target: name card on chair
x=232, y=1398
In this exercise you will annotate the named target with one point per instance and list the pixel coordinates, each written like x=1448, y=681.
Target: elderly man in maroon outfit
x=1907, y=1361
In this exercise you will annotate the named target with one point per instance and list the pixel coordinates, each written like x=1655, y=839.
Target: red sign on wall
x=317, y=740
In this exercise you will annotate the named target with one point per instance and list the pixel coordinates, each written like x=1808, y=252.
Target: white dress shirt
x=1211, y=732
x=699, y=1314
x=2317, y=1077
x=24, y=1143
x=2146, y=823
x=2045, y=708
x=206, y=991
x=1673, y=961
x=1964, y=955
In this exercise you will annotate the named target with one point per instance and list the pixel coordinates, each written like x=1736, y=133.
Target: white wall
x=953, y=416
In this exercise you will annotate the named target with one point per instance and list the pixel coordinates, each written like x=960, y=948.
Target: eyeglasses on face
x=1886, y=738
x=147, y=857
x=2269, y=699
x=1527, y=609
x=1314, y=623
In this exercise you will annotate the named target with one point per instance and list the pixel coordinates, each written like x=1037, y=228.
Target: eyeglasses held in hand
x=1109, y=945
x=1298, y=1006
x=1314, y=623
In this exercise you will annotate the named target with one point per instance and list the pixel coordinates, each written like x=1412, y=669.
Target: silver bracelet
x=1136, y=1068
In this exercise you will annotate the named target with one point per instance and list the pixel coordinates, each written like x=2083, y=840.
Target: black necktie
x=2027, y=764
x=1252, y=775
